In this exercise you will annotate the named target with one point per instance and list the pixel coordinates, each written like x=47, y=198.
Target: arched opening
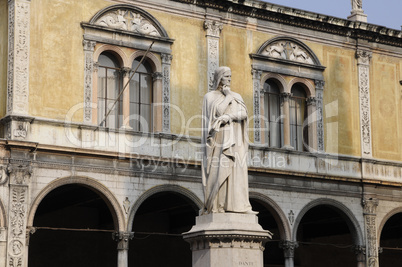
x=324, y=239
x=272, y=114
x=391, y=242
x=157, y=226
x=297, y=116
x=273, y=255
x=74, y=228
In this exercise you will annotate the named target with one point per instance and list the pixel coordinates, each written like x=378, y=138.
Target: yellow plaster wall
x=386, y=107
x=3, y=56
x=56, y=56
x=341, y=102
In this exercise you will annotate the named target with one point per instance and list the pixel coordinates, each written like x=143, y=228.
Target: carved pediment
x=127, y=20
x=288, y=49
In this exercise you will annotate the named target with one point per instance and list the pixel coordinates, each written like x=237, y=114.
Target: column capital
x=213, y=28
x=288, y=247
x=157, y=76
x=370, y=205
x=125, y=71
x=256, y=74
x=88, y=45
x=286, y=96
x=311, y=101
x=319, y=84
x=122, y=239
x=363, y=56
x=166, y=58
x=19, y=173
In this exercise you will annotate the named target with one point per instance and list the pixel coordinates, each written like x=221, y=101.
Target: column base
x=227, y=239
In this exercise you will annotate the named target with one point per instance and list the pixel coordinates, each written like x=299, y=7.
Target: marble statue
x=357, y=4
x=225, y=148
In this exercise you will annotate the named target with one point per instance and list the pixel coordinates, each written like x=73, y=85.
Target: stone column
x=286, y=120
x=256, y=105
x=369, y=213
x=289, y=251
x=18, y=57
x=360, y=252
x=125, y=97
x=227, y=239
x=88, y=75
x=157, y=79
x=311, y=123
x=166, y=61
x=213, y=29
x=363, y=66
x=3, y=246
x=319, y=92
x=122, y=239
x=17, y=216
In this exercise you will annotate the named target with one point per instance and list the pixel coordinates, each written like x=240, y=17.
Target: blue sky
x=386, y=13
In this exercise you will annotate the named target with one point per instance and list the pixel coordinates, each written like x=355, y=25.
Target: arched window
x=109, y=86
x=297, y=115
x=141, y=97
x=272, y=109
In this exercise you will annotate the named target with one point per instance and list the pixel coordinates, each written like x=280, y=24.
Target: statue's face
x=226, y=78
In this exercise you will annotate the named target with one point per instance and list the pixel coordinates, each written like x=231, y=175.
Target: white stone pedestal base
x=358, y=16
x=227, y=239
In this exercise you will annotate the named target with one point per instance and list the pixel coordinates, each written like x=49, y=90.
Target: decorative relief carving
x=363, y=59
x=213, y=29
x=256, y=104
x=88, y=74
x=291, y=217
x=19, y=174
x=126, y=205
x=319, y=91
x=127, y=20
x=21, y=130
x=311, y=101
x=166, y=61
x=18, y=57
x=227, y=241
x=370, y=207
x=288, y=50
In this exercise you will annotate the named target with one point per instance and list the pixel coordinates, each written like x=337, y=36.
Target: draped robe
x=225, y=148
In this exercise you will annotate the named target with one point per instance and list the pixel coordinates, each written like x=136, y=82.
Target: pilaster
x=363, y=65
x=256, y=105
x=369, y=213
x=319, y=92
x=88, y=76
x=213, y=29
x=20, y=175
x=166, y=62
x=18, y=57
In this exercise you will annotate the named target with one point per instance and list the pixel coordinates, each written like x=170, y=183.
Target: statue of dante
x=225, y=147
x=357, y=4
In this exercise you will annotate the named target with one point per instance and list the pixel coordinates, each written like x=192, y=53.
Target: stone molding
x=224, y=241
x=363, y=61
x=18, y=57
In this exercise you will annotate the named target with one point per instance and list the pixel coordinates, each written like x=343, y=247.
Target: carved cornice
x=219, y=241
x=304, y=19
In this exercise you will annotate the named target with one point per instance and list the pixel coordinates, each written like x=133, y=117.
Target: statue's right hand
x=226, y=90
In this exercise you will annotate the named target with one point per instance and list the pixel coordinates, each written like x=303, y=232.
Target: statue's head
x=219, y=73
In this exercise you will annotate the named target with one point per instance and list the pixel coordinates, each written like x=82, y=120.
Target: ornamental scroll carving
x=369, y=208
x=363, y=60
x=18, y=57
x=213, y=29
x=127, y=20
x=288, y=50
x=256, y=104
x=166, y=61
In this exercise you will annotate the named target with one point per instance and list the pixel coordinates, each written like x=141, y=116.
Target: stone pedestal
x=227, y=239
x=358, y=16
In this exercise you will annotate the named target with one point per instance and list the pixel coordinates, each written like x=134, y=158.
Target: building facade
x=100, y=107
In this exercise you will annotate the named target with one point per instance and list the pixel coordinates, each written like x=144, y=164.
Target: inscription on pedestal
x=246, y=263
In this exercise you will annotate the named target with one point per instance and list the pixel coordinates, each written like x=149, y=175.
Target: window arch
x=297, y=117
x=113, y=28
x=272, y=114
x=296, y=69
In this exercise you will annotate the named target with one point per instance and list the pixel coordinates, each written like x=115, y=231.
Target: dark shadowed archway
x=158, y=224
x=391, y=242
x=74, y=227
